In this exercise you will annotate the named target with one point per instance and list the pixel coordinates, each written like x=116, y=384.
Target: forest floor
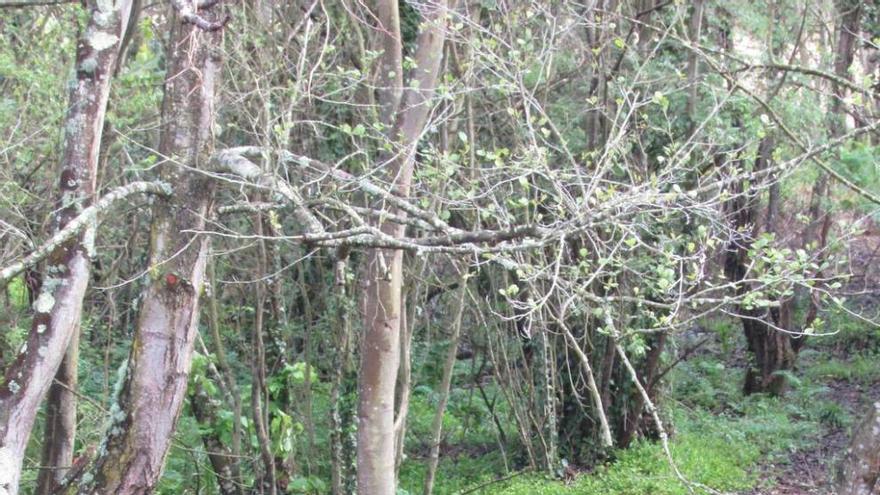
x=735, y=444
x=807, y=470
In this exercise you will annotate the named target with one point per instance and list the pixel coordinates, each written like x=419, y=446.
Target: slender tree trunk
x=695, y=28
x=546, y=387
x=635, y=415
x=225, y=374
x=404, y=382
x=153, y=383
x=206, y=410
x=443, y=392
x=60, y=430
x=340, y=468
x=380, y=355
x=58, y=308
x=859, y=471
x=259, y=393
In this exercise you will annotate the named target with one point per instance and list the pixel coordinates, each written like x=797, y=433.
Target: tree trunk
x=634, y=418
x=58, y=309
x=695, y=28
x=60, y=432
x=771, y=350
x=380, y=355
x=206, y=410
x=443, y=392
x=340, y=474
x=859, y=472
x=774, y=351
x=153, y=382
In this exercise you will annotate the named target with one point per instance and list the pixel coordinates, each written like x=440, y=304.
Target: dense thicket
x=294, y=246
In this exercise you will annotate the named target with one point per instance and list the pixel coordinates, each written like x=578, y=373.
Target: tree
x=859, y=470
x=153, y=382
x=404, y=110
x=58, y=307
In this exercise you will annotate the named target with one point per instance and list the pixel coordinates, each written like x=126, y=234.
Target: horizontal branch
x=188, y=14
x=233, y=160
x=87, y=217
x=840, y=81
x=249, y=208
x=368, y=187
x=34, y=3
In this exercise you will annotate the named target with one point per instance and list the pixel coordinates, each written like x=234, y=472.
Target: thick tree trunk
x=859, y=472
x=154, y=382
x=58, y=308
x=380, y=355
x=774, y=351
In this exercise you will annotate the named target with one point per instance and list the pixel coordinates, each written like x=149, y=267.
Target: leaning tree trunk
x=859, y=472
x=58, y=308
x=380, y=356
x=153, y=382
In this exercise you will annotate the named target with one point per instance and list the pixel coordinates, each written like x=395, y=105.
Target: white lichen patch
x=7, y=466
x=44, y=303
x=14, y=387
x=41, y=352
x=89, y=65
x=103, y=18
x=86, y=479
x=89, y=240
x=102, y=41
x=41, y=328
x=105, y=5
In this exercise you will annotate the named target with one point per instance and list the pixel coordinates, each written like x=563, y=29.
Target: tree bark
x=695, y=28
x=775, y=351
x=60, y=432
x=153, y=382
x=58, y=308
x=380, y=356
x=443, y=392
x=859, y=471
x=634, y=417
x=340, y=469
x=206, y=410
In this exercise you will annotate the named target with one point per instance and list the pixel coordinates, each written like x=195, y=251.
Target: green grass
x=720, y=439
x=860, y=367
x=720, y=451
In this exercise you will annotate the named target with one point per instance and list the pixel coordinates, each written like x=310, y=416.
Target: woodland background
x=431, y=246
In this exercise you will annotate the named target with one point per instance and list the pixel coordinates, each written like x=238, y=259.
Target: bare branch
x=233, y=160
x=188, y=14
x=75, y=226
x=37, y=3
